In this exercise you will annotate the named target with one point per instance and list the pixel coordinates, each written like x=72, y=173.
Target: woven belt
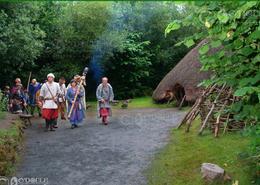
x=47, y=98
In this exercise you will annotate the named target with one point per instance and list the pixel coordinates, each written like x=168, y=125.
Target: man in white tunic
x=49, y=98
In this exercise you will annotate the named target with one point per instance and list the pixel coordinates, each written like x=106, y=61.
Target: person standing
x=104, y=96
x=17, y=97
x=34, y=87
x=62, y=101
x=78, y=111
x=49, y=99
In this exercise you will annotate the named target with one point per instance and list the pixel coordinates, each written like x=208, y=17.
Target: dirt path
x=95, y=154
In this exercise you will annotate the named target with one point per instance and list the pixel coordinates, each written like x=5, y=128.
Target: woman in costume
x=78, y=111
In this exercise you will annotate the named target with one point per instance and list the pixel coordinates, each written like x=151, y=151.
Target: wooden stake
x=75, y=98
x=220, y=112
x=28, y=83
x=182, y=102
x=211, y=110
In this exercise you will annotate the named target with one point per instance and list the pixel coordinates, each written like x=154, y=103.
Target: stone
x=212, y=172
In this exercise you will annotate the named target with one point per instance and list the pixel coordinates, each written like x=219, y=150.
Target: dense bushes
x=64, y=37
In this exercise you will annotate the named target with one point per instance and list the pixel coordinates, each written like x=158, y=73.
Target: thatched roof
x=187, y=74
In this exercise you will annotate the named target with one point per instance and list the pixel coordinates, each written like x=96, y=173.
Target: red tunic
x=50, y=114
x=104, y=112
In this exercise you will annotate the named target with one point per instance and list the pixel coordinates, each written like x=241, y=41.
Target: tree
x=71, y=29
x=128, y=67
x=148, y=20
x=20, y=39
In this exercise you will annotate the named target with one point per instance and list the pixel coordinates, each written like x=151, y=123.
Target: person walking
x=104, y=96
x=49, y=99
x=34, y=87
x=74, y=97
x=62, y=101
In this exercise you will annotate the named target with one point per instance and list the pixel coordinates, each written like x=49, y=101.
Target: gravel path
x=94, y=154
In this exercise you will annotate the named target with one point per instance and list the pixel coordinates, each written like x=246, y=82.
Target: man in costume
x=17, y=97
x=104, y=95
x=34, y=87
x=62, y=101
x=49, y=96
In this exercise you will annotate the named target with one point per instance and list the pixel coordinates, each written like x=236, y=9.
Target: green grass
x=146, y=102
x=10, y=142
x=12, y=132
x=2, y=115
x=141, y=102
x=180, y=161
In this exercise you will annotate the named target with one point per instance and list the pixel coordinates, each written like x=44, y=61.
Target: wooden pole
x=28, y=83
x=72, y=107
x=182, y=101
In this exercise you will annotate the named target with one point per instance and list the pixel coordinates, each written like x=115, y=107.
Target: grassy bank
x=10, y=141
x=179, y=162
x=141, y=102
x=2, y=115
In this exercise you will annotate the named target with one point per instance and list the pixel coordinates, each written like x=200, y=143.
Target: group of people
x=51, y=99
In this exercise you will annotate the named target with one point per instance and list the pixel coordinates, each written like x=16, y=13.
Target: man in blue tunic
x=34, y=87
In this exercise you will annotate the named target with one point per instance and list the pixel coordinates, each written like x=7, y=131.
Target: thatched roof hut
x=183, y=79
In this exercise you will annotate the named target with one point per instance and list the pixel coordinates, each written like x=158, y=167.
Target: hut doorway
x=179, y=92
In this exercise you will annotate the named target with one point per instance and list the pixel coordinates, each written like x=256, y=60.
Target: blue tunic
x=78, y=112
x=33, y=88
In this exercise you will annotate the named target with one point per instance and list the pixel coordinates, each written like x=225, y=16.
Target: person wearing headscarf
x=104, y=96
x=49, y=93
x=78, y=110
x=17, y=97
x=78, y=79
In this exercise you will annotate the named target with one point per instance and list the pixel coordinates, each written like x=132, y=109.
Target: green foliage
x=51, y=36
x=3, y=102
x=135, y=60
x=71, y=29
x=146, y=19
x=234, y=29
x=172, y=26
x=20, y=39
